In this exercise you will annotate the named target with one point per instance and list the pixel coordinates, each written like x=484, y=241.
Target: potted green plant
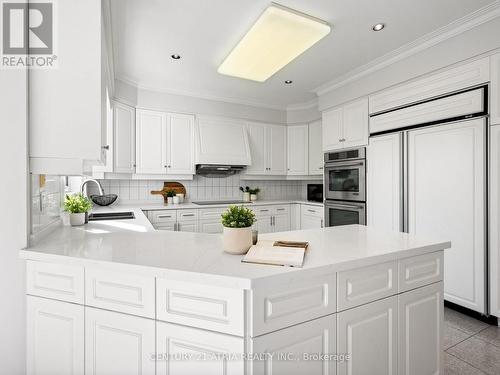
x=237, y=235
x=170, y=196
x=253, y=194
x=77, y=206
x=246, y=193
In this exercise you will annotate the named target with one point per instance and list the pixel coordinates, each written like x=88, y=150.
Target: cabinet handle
x=271, y=221
x=313, y=211
x=320, y=167
x=168, y=166
x=321, y=223
x=163, y=216
x=105, y=147
x=280, y=209
x=186, y=215
x=263, y=210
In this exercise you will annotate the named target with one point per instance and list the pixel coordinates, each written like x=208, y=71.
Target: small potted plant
x=77, y=206
x=237, y=236
x=253, y=194
x=246, y=193
x=170, y=196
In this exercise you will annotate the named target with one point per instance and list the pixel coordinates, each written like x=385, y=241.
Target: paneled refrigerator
x=430, y=180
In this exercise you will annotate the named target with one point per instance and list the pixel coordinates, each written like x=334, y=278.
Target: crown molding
x=451, y=30
x=197, y=95
x=302, y=106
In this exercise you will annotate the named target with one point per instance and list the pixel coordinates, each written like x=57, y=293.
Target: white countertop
x=134, y=246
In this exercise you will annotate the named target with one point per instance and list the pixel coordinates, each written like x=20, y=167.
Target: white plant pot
x=253, y=197
x=176, y=200
x=181, y=197
x=77, y=219
x=170, y=200
x=246, y=197
x=237, y=240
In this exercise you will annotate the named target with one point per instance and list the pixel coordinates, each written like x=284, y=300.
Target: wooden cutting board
x=175, y=186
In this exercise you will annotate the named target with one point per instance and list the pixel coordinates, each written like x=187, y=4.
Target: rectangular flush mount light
x=279, y=36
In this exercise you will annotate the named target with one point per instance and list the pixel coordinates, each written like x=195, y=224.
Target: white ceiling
x=145, y=33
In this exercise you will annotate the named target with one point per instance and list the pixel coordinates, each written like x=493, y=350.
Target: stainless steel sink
x=111, y=216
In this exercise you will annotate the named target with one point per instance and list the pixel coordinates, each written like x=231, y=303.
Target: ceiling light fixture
x=288, y=81
x=276, y=38
x=378, y=27
x=175, y=57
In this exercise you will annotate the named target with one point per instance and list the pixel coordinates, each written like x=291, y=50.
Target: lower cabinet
x=184, y=350
x=55, y=337
x=420, y=349
x=116, y=343
x=311, y=217
x=369, y=334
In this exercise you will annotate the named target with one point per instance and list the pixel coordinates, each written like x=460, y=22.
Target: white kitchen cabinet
x=298, y=150
x=346, y=126
x=494, y=222
x=55, y=337
x=180, y=144
x=495, y=89
x=315, y=148
x=263, y=223
x=185, y=350
x=118, y=344
x=67, y=102
x=384, y=182
x=281, y=223
x=151, y=142
x=311, y=217
x=273, y=218
x=446, y=195
x=369, y=333
x=187, y=226
x=420, y=350
x=314, y=338
x=210, y=220
x=124, y=138
x=268, y=149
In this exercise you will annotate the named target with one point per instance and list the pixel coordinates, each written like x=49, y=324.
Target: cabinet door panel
x=369, y=334
x=355, y=127
x=384, y=182
x=281, y=223
x=55, y=337
x=315, y=148
x=263, y=224
x=495, y=90
x=332, y=124
x=298, y=150
x=151, y=141
x=180, y=150
x=276, y=147
x=446, y=165
x=211, y=226
x=118, y=344
x=420, y=330
x=187, y=226
x=494, y=224
x=258, y=151
x=124, y=139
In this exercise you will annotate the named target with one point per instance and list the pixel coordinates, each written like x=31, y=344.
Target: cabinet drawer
x=187, y=215
x=120, y=292
x=263, y=210
x=281, y=210
x=312, y=211
x=211, y=213
x=163, y=216
x=363, y=285
x=281, y=306
x=198, y=305
x=58, y=281
x=421, y=270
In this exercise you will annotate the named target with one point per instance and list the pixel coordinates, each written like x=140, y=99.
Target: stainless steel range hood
x=214, y=170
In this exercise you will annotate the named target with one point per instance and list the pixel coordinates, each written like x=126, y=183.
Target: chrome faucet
x=84, y=189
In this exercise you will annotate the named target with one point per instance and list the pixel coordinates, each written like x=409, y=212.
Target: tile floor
x=471, y=346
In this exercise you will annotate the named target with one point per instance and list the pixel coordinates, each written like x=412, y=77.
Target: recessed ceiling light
x=276, y=38
x=288, y=81
x=378, y=27
x=175, y=57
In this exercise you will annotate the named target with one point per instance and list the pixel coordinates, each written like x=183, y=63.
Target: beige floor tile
x=455, y=366
x=463, y=322
x=478, y=353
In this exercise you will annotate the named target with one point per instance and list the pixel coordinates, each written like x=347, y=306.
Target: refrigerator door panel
x=384, y=182
x=446, y=199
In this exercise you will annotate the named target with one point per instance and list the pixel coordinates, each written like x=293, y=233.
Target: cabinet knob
x=168, y=166
x=105, y=147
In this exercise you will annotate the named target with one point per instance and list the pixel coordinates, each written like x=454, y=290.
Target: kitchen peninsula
x=122, y=298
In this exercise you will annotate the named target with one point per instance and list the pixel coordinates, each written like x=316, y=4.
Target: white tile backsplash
x=206, y=188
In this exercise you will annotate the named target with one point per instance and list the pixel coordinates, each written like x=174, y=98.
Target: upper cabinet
x=164, y=143
x=432, y=85
x=298, y=150
x=315, y=149
x=495, y=90
x=124, y=138
x=67, y=102
x=221, y=141
x=346, y=126
x=268, y=149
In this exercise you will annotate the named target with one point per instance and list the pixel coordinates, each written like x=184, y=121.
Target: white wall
x=164, y=101
x=304, y=115
x=471, y=43
x=13, y=221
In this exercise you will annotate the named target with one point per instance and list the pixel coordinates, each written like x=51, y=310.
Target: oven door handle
x=344, y=206
x=345, y=164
